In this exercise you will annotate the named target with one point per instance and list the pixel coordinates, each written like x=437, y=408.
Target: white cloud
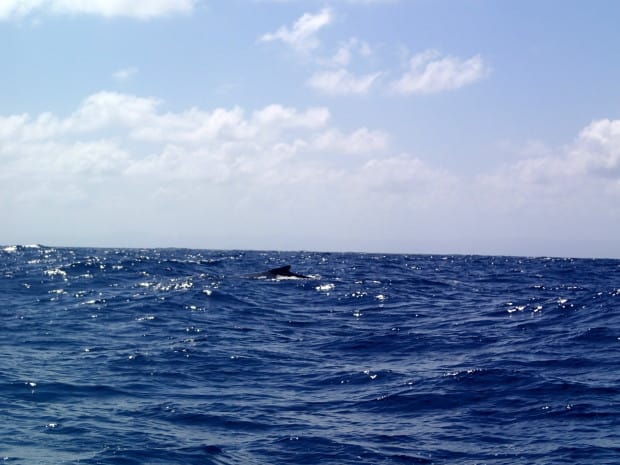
x=410, y=180
x=302, y=35
x=275, y=176
x=106, y=127
x=142, y=9
x=277, y=115
x=346, y=52
x=269, y=168
x=360, y=141
x=342, y=82
x=572, y=192
x=125, y=74
x=18, y=8
x=429, y=72
x=193, y=125
x=12, y=125
x=106, y=110
x=594, y=155
x=140, y=119
x=334, y=78
x=597, y=150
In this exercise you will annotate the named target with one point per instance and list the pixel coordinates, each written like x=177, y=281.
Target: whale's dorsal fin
x=281, y=271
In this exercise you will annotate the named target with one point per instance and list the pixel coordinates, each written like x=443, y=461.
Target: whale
x=280, y=272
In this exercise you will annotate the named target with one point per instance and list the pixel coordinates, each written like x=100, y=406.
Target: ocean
x=176, y=356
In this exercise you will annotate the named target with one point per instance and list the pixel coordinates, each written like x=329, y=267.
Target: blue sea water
x=112, y=356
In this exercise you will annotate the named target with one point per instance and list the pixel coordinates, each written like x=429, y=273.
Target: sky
x=392, y=126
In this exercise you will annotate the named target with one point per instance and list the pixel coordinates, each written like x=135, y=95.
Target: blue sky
x=387, y=125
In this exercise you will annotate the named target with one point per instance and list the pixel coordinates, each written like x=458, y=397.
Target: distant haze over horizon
x=381, y=126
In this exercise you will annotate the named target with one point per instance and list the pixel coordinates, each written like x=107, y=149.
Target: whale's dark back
x=285, y=271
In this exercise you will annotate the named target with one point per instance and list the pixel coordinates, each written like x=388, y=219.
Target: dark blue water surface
x=113, y=356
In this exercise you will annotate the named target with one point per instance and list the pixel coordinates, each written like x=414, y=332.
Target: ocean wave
x=175, y=356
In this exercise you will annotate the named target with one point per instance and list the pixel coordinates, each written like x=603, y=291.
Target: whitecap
x=518, y=308
x=55, y=272
x=325, y=287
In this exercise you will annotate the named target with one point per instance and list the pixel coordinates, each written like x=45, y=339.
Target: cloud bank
x=122, y=156
x=121, y=170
